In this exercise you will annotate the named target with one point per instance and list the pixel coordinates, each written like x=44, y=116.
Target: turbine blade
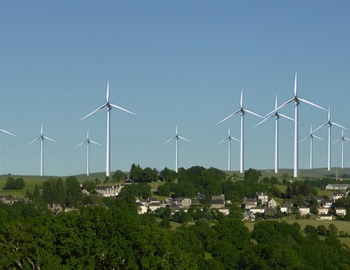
x=122, y=109
x=7, y=132
x=94, y=142
x=222, y=141
x=107, y=92
x=233, y=138
x=295, y=83
x=336, y=141
x=279, y=107
x=227, y=117
x=265, y=119
x=172, y=138
x=183, y=138
x=318, y=137
x=312, y=104
x=285, y=116
x=241, y=101
x=321, y=126
x=305, y=138
x=80, y=144
x=276, y=102
x=253, y=113
x=347, y=139
x=38, y=138
x=333, y=123
x=94, y=111
x=47, y=138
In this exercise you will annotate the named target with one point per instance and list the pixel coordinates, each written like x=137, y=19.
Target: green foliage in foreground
x=116, y=237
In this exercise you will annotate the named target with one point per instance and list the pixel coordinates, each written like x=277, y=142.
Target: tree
x=73, y=191
x=12, y=183
x=252, y=175
x=119, y=176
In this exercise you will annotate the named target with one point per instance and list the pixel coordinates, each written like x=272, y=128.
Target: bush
x=14, y=183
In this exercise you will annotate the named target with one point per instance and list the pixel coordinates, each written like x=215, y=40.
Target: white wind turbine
x=41, y=138
x=342, y=139
x=297, y=101
x=229, y=138
x=242, y=111
x=329, y=123
x=311, y=136
x=176, y=138
x=88, y=142
x=277, y=115
x=6, y=132
x=109, y=107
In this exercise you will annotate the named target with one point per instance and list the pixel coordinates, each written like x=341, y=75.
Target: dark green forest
x=114, y=236
x=109, y=233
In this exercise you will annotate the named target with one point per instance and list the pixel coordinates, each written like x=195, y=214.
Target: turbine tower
x=342, y=139
x=229, y=138
x=277, y=116
x=87, y=141
x=176, y=137
x=297, y=101
x=311, y=136
x=109, y=107
x=6, y=132
x=329, y=123
x=41, y=138
x=243, y=111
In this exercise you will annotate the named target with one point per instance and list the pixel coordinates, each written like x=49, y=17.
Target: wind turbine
x=109, y=107
x=329, y=123
x=297, y=101
x=6, y=132
x=277, y=115
x=41, y=138
x=87, y=141
x=229, y=138
x=243, y=111
x=176, y=137
x=342, y=139
x=311, y=136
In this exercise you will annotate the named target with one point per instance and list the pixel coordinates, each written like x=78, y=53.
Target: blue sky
x=172, y=63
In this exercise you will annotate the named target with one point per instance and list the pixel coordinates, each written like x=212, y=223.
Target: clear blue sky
x=171, y=62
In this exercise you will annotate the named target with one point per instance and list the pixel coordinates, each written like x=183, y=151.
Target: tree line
x=114, y=236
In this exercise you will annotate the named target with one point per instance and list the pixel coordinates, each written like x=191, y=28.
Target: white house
x=325, y=217
x=250, y=203
x=304, y=211
x=262, y=197
x=337, y=186
x=340, y=211
x=257, y=209
x=272, y=203
x=322, y=210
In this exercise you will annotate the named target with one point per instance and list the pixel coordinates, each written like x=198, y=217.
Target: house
x=248, y=216
x=327, y=203
x=337, y=186
x=262, y=197
x=7, y=199
x=183, y=202
x=257, y=209
x=224, y=211
x=153, y=206
x=109, y=191
x=284, y=209
x=340, y=212
x=141, y=207
x=304, y=211
x=272, y=204
x=322, y=210
x=325, y=217
x=218, y=201
x=339, y=195
x=250, y=203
